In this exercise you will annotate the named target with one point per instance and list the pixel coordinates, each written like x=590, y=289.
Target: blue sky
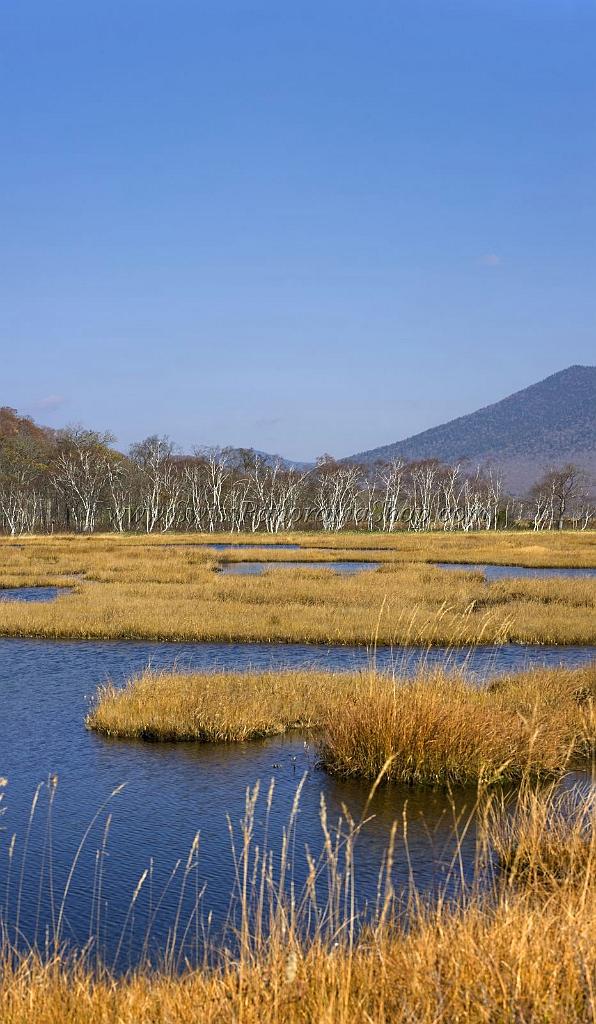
x=306, y=227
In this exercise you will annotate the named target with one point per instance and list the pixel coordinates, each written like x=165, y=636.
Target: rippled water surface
x=35, y=594
x=174, y=790
x=256, y=568
x=499, y=572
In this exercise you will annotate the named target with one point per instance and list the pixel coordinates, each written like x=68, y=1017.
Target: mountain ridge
x=550, y=421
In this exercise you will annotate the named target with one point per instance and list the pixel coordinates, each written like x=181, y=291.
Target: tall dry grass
x=520, y=950
x=443, y=731
x=161, y=590
x=435, y=729
x=28, y=554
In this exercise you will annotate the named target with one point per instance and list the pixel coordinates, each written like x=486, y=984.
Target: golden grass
x=163, y=589
x=217, y=707
x=435, y=729
x=550, y=548
x=515, y=963
x=442, y=731
x=522, y=952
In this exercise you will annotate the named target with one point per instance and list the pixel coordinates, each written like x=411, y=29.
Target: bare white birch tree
x=79, y=473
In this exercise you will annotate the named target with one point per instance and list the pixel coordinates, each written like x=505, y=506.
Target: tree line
x=75, y=480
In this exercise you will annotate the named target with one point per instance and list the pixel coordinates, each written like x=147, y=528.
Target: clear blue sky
x=304, y=226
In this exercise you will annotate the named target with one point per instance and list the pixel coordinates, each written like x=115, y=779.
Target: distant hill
x=242, y=457
x=271, y=460
x=550, y=422
x=13, y=425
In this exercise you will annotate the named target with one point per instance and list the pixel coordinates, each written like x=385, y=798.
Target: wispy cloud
x=490, y=259
x=50, y=403
x=267, y=422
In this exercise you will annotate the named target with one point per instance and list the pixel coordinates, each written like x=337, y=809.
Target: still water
x=257, y=547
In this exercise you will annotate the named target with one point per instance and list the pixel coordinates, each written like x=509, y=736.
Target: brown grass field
x=434, y=729
x=168, y=588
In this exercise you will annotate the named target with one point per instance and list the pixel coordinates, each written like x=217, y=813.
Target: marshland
x=385, y=770
x=149, y=588
x=523, y=943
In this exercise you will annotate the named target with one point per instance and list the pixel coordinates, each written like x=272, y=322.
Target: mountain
x=241, y=457
x=547, y=423
x=278, y=460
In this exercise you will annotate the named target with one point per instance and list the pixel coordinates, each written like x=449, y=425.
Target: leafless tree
x=79, y=473
x=74, y=479
x=275, y=494
x=120, y=487
x=393, y=497
x=556, y=495
x=336, y=493
x=423, y=494
x=161, y=481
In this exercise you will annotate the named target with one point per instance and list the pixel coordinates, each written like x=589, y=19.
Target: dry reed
x=445, y=731
x=545, y=837
x=214, y=707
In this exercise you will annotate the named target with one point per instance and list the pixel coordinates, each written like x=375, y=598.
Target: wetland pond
x=175, y=790
x=256, y=547
x=256, y=568
x=34, y=594
x=501, y=572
